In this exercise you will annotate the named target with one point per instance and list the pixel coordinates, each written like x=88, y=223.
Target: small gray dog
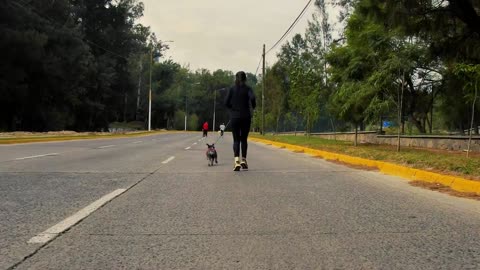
x=212, y=154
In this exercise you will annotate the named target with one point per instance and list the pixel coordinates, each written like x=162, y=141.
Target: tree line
x=408, y=65
x=85, y=64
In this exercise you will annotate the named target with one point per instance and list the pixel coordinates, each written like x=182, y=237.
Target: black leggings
x=240, y=130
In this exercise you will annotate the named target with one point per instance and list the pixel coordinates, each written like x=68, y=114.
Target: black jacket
x=241, y=101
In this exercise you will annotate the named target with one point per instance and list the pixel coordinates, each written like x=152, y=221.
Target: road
x=172, y=211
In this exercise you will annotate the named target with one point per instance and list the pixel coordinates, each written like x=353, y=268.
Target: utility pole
x=158, y=46
x=214, y=107
x=138, y=91
x=185, y=109
x=263, y=91
x=150, y=94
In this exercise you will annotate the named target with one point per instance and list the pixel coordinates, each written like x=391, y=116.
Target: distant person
x=241, y=101
x=205, y=129
x=222, y=129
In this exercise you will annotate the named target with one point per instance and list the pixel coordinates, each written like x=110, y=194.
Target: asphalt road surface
x=153, y=203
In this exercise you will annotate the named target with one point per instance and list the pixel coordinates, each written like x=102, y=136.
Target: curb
x=455, y=183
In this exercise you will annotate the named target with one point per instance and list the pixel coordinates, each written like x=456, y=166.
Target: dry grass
x=444, y=189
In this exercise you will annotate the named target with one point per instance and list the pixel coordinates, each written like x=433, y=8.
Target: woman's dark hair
x=240, y=78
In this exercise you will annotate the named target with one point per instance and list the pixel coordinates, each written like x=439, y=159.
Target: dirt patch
x=358, y=167
x=444, y=189
x=445, y=172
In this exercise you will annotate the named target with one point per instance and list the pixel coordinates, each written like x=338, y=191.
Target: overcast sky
x=223, y=34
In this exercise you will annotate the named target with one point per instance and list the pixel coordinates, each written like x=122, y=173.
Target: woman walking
x=241, y=102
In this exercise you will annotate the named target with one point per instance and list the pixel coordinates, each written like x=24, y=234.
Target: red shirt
x=205, y=126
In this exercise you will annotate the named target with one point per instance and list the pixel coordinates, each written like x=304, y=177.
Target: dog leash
x=219, y=137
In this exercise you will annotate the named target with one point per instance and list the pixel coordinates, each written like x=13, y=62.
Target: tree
x=303, y=66
x=44, y=65
x=471, y=76
x=68, y=64
x=276, y=95
x=369, y=67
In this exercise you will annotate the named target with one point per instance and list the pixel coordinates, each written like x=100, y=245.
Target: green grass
x=53, y=138
x=135, y=125
x=447, y=162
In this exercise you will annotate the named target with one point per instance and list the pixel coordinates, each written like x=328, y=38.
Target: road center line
x=106, y=146
x=188, y=148
x=52, y=232
x=168, y=160
x=46, y=155
x=194, y=143
x=137, y=142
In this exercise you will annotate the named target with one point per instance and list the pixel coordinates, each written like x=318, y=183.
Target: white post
x=150, y=110
x=150, y=94
x=214, y=107
x=186, y=110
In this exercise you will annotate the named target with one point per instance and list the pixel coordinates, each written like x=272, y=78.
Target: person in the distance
x=222, y=129
x=205, y=129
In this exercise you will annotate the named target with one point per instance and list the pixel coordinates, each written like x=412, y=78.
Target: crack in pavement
x=42, y=246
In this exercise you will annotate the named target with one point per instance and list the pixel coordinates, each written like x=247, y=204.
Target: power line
x=291, y=26
x=258, y=67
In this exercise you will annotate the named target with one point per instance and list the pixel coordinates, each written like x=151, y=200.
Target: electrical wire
x=302, y=13
x=258, y=67
x=292, y=26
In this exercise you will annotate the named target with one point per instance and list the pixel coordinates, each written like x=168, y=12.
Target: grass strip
x=439, y=161
x=55, y=138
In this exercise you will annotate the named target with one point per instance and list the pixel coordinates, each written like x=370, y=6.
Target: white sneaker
x=237, y=165
x=244, y=164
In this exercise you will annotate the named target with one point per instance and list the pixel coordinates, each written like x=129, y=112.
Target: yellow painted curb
x=456, y=183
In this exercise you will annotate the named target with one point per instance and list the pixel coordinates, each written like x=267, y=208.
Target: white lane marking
x=67, y=223
x=137, y=142
x=46, y=155
x=188, y=148
x=194, y=143
x=168, y=160
x=106, y=146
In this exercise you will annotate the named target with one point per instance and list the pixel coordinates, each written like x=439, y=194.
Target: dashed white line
x=137, y=142
x=194, y=143
x=106, y=146
x=168, y=160
x=67, y=223
x=188, y=148
x=37, y=156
